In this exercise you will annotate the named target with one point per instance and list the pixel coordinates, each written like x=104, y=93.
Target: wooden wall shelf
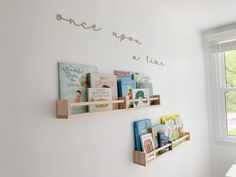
x=63, y=107
x=140, y=158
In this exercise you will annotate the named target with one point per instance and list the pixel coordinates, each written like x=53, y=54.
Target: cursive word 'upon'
x=123, y=37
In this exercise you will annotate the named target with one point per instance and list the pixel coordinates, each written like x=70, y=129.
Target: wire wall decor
x=83, y=24
x=151, y=61
x=123, y=37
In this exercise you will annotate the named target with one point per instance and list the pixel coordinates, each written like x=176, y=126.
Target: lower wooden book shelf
x=143, y=159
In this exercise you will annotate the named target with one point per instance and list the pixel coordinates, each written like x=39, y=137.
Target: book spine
x=119, y=88
x=137, y=138
x=89, y=80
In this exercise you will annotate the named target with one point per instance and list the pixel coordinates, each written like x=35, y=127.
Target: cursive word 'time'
x=150, y=61
x=83, y=24
x=154, y=61
x=123, y=37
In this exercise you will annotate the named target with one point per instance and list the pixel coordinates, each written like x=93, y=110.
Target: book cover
x=141, y=127
x=103, y=80
x=134, y=75
x=147, y=85
x=73, y=83
x=125, y=87
x=99, y=94
x=140, y=77
x=179, y=126
x=170, y=121
x=155, y=130
x=122, y=75
x=148, y=145
x=139, y=94
x=163, y=139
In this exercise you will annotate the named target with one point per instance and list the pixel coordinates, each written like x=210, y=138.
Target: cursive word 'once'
x=83, y=24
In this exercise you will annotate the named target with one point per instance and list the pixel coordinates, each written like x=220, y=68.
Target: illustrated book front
x=102, y=80
x=99, y=94
x=148, y=145
x=155, y=130
x=138, y=95
x=171, y=126
x=141, y=127
x=147, y=85
x=73, y=83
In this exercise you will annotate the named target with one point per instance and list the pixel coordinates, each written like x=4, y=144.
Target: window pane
x=231, y=112
x=230, y=68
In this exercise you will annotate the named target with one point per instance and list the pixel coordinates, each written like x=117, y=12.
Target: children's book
x=147, y=85
x=148, y=145
x=163, y=138
x=138, y=95
x=99, y=94
x=141, y=127
x=170, y=122
x=104, y=81
x=125, y=87
x=179, y=125
x=73, y=83
x=134, y=75
x=122, y=75
x=155, y=130
x=140, y=77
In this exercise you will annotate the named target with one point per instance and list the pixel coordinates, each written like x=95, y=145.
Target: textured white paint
x=36, y=144
x=204, y=14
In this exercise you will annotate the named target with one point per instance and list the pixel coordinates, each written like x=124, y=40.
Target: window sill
x=231, y=141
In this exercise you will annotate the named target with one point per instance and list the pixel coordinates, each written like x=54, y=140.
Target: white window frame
x=216, y=84
x=221, y=96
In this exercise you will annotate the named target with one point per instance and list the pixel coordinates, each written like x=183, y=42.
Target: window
x=230, y=91
x=222, y=86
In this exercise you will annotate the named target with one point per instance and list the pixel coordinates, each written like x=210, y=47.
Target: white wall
x=35, y=143
x=223, y=156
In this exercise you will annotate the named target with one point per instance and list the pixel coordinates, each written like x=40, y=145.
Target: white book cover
x=99, y=94
x=103, y=80
x=139, y=94
x=148, y=146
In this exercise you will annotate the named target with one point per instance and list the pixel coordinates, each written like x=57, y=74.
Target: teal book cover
x=125, y=87
x=147, y=85
x=141, y=127
x=155, y=130
x=73, y=83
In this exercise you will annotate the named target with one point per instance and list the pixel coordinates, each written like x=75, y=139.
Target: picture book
x=73, y=83
x=179, y=126
x=147, y=85
x=122, y=75
x=148, y=145
x=141, y=127
x=140, y=77
x=134, y=75
x=138, y=95
x=163, y=139
x=104, y=81
x=99, y=94
x=170, y=122
x=125, y=87
x=155, y=130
